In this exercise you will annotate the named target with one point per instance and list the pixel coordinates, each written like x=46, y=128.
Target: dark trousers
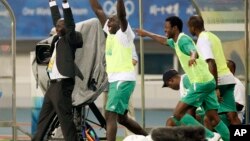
x=58, y=101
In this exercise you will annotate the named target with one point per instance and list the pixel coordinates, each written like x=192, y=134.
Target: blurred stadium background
x=227, y=18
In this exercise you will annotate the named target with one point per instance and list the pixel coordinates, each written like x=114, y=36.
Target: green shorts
x=119, y=95
x=228, y=103
x=202, y=94
x=224, y=118
x=200, y=113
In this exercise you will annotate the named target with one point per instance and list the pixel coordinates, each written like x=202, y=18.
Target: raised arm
x=74, y=38
x=97, y=8
x=68, y=17
x=121, y=13
x=54, y=11
x=158, y=38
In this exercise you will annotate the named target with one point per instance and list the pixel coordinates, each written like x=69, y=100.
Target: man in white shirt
x=119, y=67
x=239, y=95
x=210, y=49
x=131, y=111
x=239, y=92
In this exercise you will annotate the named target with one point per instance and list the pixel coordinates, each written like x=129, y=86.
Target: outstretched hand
x=141, y=32
x=192, y=60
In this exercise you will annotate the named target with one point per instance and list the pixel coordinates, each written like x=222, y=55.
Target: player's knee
x=232, y=116
x=122, y=120
x=111, y=116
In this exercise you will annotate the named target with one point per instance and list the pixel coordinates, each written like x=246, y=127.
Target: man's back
x=209, y=39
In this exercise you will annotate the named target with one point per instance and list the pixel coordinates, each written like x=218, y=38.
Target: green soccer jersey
x=198, y=73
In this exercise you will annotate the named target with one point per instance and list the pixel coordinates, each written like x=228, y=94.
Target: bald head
x=196, y=25
x=196, y=21
x=60, y=27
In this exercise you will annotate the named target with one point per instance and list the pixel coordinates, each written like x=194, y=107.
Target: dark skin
x=170, y=32
x=195, y=31
x=60, y=27
x=182, y=108
x=174, y=83
x=232, y=68
x=60, y=30
x=115, y=23
x=238, y=106
x=211, y=62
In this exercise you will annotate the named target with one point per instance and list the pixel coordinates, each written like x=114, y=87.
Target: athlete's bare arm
x=97, y=8
x=121, y=13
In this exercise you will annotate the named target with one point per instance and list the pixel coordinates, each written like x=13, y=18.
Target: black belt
x=59, y=80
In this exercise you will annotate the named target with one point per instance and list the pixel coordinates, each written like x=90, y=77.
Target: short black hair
x=175, y=21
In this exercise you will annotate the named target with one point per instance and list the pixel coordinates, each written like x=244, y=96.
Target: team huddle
x=207, y=86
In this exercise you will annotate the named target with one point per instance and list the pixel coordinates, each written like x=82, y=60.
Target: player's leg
x=211, y=105
x=228, y=105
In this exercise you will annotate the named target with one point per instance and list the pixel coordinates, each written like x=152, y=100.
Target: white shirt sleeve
x=65, y=5
x=134, y=54
x=105, y=27
x=204, y=47
x=130, y=33
x=52, y=3
x=182, y=90
x=239, y=92
x=239, y=95
x=127, y=37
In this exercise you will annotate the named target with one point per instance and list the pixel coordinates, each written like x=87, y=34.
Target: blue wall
x=34, y=21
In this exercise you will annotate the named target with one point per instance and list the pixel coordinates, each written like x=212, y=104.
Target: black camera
x=43, y=53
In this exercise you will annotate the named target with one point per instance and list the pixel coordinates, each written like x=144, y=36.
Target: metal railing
x=12, y=123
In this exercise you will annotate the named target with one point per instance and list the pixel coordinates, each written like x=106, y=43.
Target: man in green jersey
x=210, y=49
x=202, y=83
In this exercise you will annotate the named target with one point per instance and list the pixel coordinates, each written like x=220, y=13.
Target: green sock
x=222, y=129
x=190, y=120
